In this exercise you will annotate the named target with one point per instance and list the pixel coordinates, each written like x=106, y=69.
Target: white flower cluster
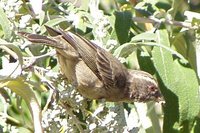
x=100, y=24
x=61, y=116
x=104, y=119
x=74, y=18
x=11, y=7
x=52, y=118
x=24, y=21
x=97, y=20
x=100, y=21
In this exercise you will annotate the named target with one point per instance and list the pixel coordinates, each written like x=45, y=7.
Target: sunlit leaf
x=22, y=88
x=146, y=36
x=181, y=87
x=125, y=49
x=52, y=23
x=184, y=44
x=5, y=24
x=13, y=47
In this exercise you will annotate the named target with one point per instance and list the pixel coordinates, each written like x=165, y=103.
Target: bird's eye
x=152, y=88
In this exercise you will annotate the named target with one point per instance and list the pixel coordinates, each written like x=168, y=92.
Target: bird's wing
x=103, y=64
x=113, y=73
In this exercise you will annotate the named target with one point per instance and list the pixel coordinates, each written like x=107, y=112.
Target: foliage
x=161, y=37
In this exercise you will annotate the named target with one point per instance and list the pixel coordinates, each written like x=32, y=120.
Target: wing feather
x=102, y=63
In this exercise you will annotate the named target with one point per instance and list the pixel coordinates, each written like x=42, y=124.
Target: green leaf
x=184, y=43
x=146, y=8
x=122, y=25
x=84, y=5
x=180, y=88
x=195, y=41
x=163, y=60
x=197, y=48
x=144, y=36
x=176, y=6
x=125, y=49
x=16, y=68
x=145, y=61
x=51, y=23
x=12, y=46
x=5, y=24
x=42, y=17
x=22, y=88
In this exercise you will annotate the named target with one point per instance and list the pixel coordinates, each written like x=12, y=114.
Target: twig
x=52, y=53
x=51, y=92
x=9, y=51
x=74, y=118
x=35, y=58
x=159, y=21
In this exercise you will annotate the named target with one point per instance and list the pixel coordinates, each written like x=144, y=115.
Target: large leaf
x=127, y=48
x=122, y=25
x=5, y=24
x=184, y=44
x=22, y=88
x=180, y=88
x=143, y=39
x=147, y=36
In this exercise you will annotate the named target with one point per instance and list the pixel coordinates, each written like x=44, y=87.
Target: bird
x=95, y=72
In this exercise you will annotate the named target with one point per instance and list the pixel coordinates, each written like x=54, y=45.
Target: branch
x=35, y=58
x=159, y=21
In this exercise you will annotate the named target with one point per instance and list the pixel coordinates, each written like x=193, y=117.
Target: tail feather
x=51, y=31
x=42, y=40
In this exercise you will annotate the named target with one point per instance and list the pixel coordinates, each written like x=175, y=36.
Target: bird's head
x=143, y=87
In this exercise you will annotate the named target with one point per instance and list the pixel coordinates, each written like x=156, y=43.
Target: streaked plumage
x=95, y=72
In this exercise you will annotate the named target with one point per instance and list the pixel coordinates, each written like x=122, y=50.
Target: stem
x=169, y=22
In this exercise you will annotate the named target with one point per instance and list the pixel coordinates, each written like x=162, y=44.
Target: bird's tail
x=39, y=39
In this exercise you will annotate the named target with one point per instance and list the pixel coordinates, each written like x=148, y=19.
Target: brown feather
x=95, y=72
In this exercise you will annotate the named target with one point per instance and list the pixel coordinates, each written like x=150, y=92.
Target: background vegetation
x=158, y=36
